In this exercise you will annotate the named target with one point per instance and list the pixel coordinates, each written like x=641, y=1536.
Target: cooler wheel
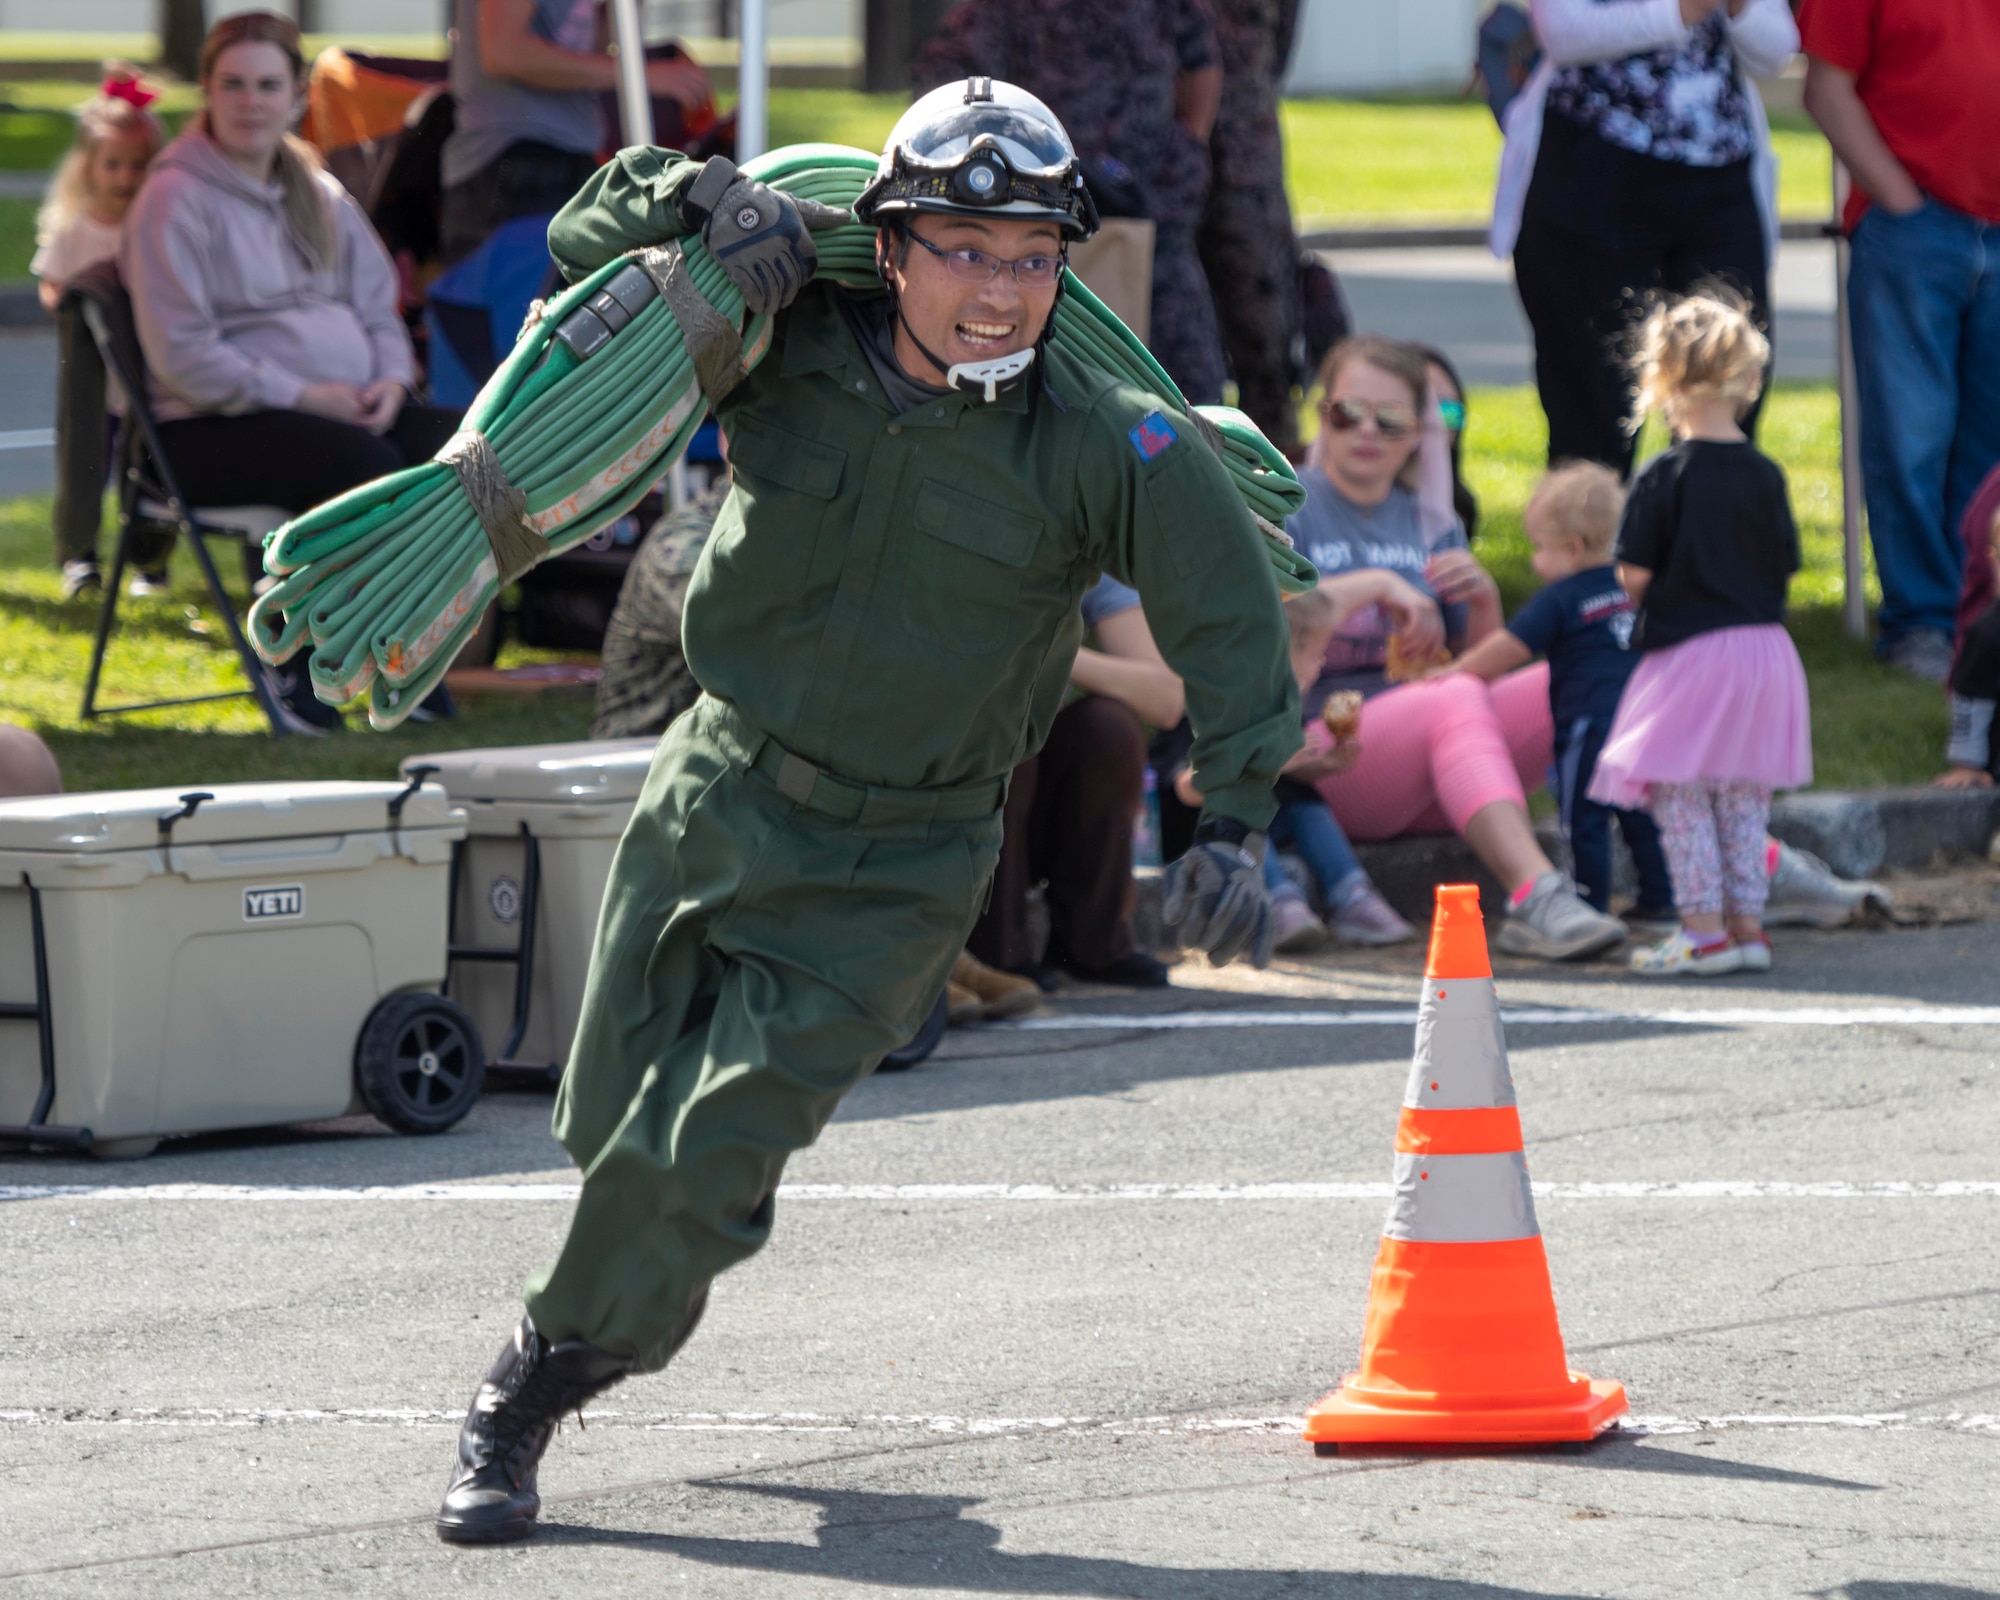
x=419, y=1063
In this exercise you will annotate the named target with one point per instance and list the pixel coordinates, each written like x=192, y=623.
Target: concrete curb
x=1857, y=835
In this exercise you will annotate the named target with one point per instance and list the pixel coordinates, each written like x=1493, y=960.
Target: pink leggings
x=1433, y=754
x=1713, y=833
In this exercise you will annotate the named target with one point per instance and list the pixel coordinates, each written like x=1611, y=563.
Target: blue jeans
x=1924, y=306
x=1307, y=827
x=1587, y=824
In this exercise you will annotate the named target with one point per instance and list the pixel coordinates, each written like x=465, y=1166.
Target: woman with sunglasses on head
x=1450, y=752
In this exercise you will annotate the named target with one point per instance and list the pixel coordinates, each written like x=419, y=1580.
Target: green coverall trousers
x=757, y=955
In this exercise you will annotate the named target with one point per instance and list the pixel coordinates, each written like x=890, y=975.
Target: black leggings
x=293, y=460
x=1601, y=230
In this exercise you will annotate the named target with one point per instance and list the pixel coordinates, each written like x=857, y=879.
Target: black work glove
x=1215, y=894
x=756, y=234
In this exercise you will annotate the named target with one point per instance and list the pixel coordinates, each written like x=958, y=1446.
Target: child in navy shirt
x=1583, y=623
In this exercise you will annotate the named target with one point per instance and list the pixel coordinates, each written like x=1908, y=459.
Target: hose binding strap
x=710, y=339
x=501, y=508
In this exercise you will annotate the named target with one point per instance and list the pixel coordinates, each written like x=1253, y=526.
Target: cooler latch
x=190, y=803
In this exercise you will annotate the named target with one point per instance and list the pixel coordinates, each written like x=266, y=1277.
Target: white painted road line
x=812, y=1422
x=1520, y=1017
x=28, y=439
x=894, y=1193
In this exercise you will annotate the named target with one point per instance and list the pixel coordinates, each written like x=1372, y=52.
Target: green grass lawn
x=1870, y=726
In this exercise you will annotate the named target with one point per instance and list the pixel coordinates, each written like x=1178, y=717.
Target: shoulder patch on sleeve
x=1153, y=434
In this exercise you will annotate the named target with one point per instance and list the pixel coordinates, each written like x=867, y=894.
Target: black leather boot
x=491, y=1498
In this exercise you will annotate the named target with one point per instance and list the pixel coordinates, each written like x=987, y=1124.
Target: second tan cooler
x=543, y=822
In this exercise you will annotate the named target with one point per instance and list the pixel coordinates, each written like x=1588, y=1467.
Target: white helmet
x=980, y=148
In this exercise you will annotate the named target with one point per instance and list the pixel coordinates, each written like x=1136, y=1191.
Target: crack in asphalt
x=1781, y=1319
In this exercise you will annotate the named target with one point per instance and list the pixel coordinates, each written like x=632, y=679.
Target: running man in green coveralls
x=883, y=623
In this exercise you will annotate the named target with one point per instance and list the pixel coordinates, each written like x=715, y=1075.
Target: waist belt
x=798, y=780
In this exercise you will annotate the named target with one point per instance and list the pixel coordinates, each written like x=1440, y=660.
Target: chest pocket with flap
x=790, y=481
x=965, y=582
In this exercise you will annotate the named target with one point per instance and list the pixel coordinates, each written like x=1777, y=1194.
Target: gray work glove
x=757, y=235
x=1215, y=894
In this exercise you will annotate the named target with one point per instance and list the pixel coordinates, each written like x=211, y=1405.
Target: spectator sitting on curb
x=1304, y=825
x=1070, y=810
x=1453, y=753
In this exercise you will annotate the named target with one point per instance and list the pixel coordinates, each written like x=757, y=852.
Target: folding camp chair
x=149, y=497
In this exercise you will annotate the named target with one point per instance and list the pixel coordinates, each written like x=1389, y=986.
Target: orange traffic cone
x=1461, y=1345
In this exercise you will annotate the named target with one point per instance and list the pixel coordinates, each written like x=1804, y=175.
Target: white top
x=1764, y=38
x=81, y=242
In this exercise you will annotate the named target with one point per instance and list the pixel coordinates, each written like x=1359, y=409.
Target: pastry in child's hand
x=1342, y=714
x=1406, y=665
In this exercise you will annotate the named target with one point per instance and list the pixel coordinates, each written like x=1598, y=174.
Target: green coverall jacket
x=883, y=624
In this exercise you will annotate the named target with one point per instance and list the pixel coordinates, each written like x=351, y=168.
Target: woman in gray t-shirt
x=1449, y=752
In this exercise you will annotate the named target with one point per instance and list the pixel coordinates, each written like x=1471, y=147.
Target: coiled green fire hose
x=598, y=398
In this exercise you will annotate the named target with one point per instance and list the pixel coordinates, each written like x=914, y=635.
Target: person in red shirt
x=1904, y=92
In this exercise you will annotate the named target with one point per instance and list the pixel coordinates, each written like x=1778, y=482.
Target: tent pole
x=635, y=105
x=753, y=80
x=1854, y=592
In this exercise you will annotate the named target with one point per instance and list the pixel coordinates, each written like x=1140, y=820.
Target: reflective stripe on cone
x=1476, y=1199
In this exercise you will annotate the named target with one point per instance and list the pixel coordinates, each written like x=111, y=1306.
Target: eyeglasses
x=1453, y=412
x=976, y=266
x=1344, y=416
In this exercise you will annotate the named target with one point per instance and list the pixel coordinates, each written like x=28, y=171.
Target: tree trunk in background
x=307, y=14
x=182, y=26
x=892, y=32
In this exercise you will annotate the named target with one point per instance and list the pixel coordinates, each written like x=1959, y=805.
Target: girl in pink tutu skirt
x=1715, y=716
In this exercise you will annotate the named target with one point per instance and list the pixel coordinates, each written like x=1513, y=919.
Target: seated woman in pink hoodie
x=279, y=364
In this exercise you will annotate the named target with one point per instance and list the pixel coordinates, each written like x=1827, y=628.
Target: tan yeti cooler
x=181, y=960
x=544, y=821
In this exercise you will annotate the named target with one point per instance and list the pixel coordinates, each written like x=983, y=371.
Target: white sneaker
x=1756, y=955
x=144, y=585
x=81, y=577
x=1555, y=924
x=1678, y=956
x=1805, y=893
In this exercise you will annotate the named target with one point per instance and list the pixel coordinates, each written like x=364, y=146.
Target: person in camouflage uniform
x=1247, y=245
x=1117, y=72
x=646, y=681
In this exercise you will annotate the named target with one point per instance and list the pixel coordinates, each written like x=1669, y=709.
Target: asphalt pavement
x=1042, y=1318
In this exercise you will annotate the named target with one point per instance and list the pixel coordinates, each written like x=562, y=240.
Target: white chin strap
x=1005, y=369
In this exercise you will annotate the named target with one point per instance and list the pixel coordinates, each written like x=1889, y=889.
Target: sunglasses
x=1392, y=422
